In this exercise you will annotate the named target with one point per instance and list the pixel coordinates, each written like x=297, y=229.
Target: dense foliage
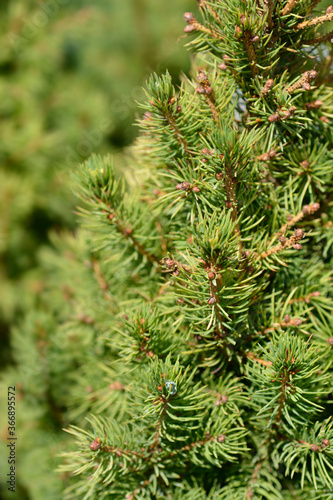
x=189, y=344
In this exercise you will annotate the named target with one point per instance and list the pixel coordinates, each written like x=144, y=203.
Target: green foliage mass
x=185, y=335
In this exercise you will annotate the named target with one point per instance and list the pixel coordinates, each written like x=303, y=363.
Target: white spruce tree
x=190, y=343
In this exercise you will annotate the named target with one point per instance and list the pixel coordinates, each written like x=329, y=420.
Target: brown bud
x=317, y=103
x=169, y=263
x=200, y=90
x=179, y=186
x=296, y=322
x=273, y=118
x=282, y=240
x=125, y=317
x=196, y=189
x=246, y=254
x=329, y=9
x=312, y=74
x=238, y=30
x=128, y=231
x=212, y=301
x=176, y=272
x=305, y=163
x=208, y=90
x=190, y=28
x=222, y=66
x=265, y=157
x=205, y=151
x=272, y=153
x=221, y=438
x=211, y=276
x=325, y=443
x=324, y=119
x=330, y=340
x=219, y=176
x=172, y=100
x=315, y=206
x=226, y=57
x=315, y=294
x=189, y=17
x=269, y=84
x=305, y=209
x=186, y=186
x=178, y=109
x=299, y=233
x=255, y=39
x=118, y=453
x=242, y=18
x=224, y=399
x=297, y=246
x=314, y=447
x=286, y=318
x=306, y=86
x=95, y=444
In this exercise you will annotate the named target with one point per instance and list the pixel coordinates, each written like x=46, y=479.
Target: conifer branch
x=104, y=286
x=204, y=5
x=127, y=232
x=315, y=21
x=206, y=89
x=288, y=7
x=285, y=323
x=194, y=25
x=253, y=479
x=178, y=135
x=318, y=39
x=306, y=299
x=304, y=81
x=253, y=357
x=285, y=244
x=292, y=220
x=220, y=438
x=251, y=54
x=269, y=9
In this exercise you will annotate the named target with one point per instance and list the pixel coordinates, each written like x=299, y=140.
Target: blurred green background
x=70, y=72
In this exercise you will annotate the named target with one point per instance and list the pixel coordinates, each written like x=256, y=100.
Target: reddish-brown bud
x=169, y=263
x=273, y=118
x=299, y=233
x=329, y=9
x=222, y=66
x=297, y=246
x=196, y=189
x=330, y=340
x=306, y=86
x=286, y=318
x=95, y=444
x=314, y=447
x=212, y=301
x=221, y=438
x=211, y=276
x=325, y=443
x=255, y=39
x=190, y=28
x=282, y=240
x=189, y=17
